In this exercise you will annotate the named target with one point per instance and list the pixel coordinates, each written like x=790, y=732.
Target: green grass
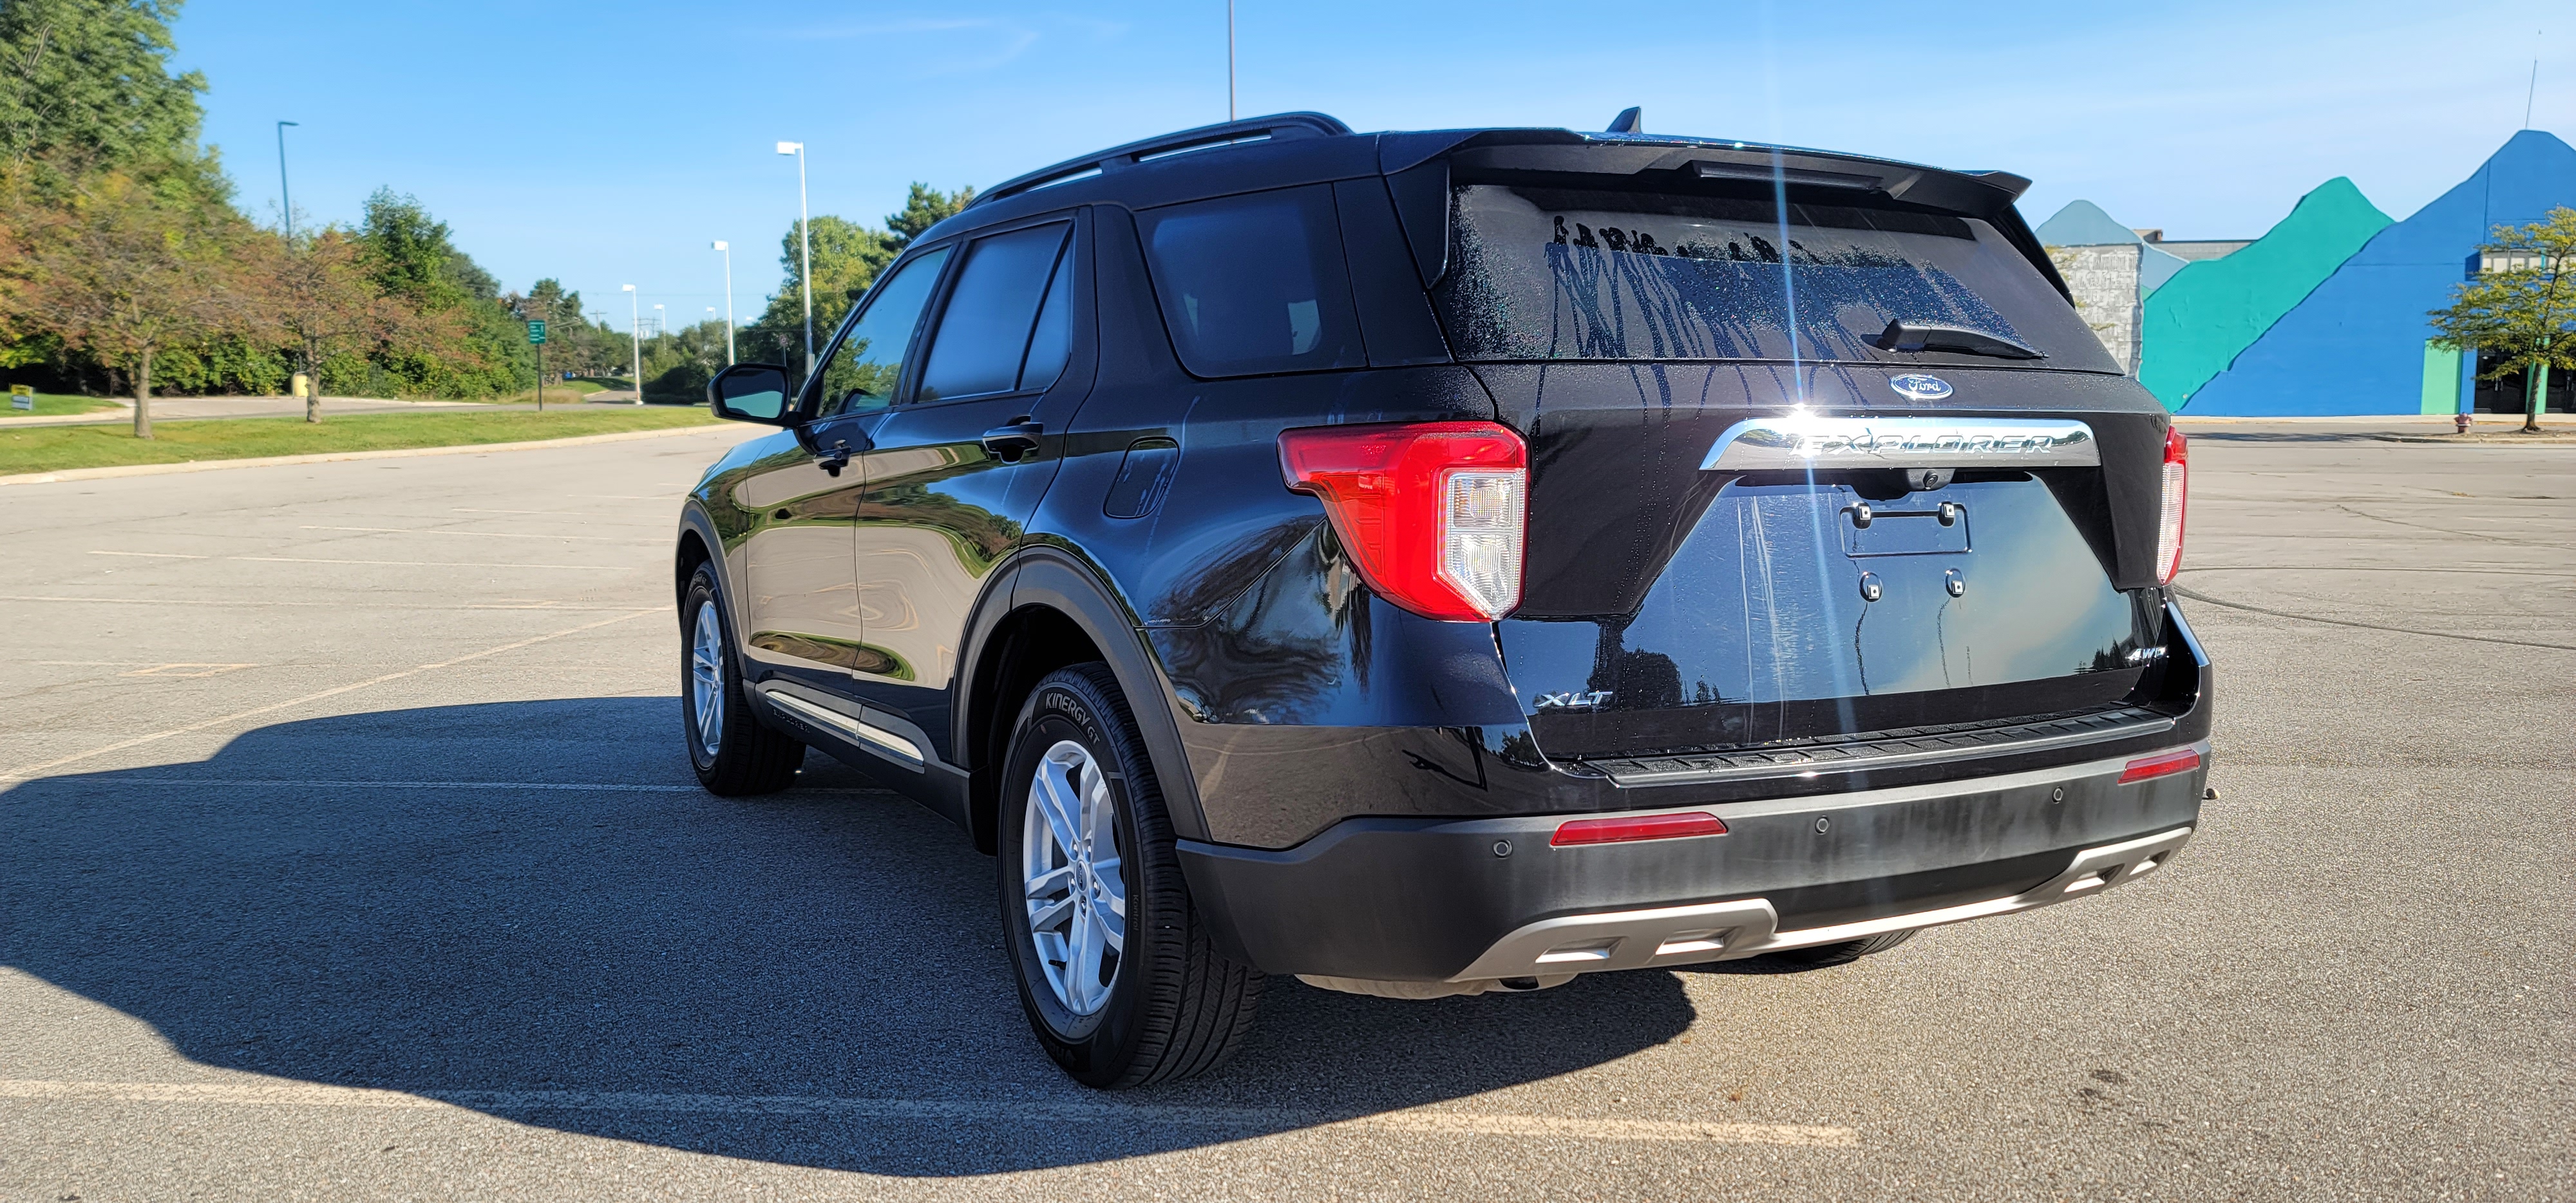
x=51, y=405
x=57, y=448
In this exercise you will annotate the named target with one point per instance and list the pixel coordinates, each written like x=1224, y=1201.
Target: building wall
x=2213, y=309
x=2104, y=281
x=2355, y=345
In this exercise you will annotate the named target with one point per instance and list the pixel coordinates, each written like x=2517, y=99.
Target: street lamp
x=727, y=248
x=804, y=250
x=661, y=322
x=635, y=339
x=285, y=203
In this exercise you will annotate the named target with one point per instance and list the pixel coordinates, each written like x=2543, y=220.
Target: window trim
x=908, y=389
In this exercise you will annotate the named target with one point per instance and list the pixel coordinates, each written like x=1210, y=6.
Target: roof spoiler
x=1250, y=129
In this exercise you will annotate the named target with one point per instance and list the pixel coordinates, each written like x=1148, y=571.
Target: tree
x=2523, y=311
x=847, y=258
x=475, y=346
x=88, y=81
x=125, y=274
x=321, y=298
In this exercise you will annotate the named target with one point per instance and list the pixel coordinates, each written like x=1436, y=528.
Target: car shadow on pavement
x=529, y=909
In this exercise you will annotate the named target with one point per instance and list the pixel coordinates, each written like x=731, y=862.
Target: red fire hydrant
x=2463, y=421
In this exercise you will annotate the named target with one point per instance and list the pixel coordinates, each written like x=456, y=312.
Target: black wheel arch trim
x=1042, y=575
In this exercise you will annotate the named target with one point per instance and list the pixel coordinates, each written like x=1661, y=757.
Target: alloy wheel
x=706, y=680
x=1070, y=873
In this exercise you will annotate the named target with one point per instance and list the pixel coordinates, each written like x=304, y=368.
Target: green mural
x=2197, y=323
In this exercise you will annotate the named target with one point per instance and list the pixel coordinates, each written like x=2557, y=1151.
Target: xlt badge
x=1573, y=701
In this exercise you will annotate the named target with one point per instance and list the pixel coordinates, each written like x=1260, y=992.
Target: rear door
x=959, y=463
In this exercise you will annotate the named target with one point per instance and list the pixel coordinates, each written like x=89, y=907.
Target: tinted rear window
x=1254, y=284
x=984, y=332
x=1548, y=273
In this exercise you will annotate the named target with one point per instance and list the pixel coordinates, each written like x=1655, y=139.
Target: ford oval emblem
x=1921, y=387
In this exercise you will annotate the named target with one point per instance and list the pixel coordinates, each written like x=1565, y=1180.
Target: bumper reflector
x=1642, y=827
x=2162, y=764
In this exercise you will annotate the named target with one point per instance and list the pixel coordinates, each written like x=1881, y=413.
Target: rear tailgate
x=1672, y=606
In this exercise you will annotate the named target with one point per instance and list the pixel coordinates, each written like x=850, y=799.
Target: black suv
x=1430, y=563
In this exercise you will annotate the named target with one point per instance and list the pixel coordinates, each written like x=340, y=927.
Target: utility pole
x=727, y=248
x=635, y=339
x=804, y=251
x=285, y=203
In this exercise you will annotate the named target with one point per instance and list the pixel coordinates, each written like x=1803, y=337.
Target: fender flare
x=1053, y=578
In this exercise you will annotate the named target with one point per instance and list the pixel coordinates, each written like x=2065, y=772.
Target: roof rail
x=1250, y=129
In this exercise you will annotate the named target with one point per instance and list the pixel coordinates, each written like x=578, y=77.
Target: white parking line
x=307, y=1094
x=121, y=745
x=568, y=607
x=576, y=787
x=479, y=534
x=152, y=555
x=425, y=563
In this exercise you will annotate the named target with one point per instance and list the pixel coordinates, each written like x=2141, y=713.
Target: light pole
x=804, y=250
x=285, y=203
x=635, y=339
x=1229, y=60
x=661, y=322
x=727, y=248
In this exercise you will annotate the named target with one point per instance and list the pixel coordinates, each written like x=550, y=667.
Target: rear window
x=1254, y=284
x=1552, y=273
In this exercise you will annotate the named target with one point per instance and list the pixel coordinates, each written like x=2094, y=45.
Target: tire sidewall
x=1068, y=707
x=702, y=593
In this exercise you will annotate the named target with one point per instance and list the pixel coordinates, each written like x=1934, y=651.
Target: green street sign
x=536, y=333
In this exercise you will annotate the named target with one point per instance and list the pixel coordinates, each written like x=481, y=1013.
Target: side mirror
x=750, y=392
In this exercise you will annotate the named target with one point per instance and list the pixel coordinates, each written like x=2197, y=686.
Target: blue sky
x=609, y=144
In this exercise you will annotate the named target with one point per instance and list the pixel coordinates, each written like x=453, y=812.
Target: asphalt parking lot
x=348, y=850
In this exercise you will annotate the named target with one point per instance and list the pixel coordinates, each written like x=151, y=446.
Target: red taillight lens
x=1641, y=827
x=2169, y=524
x=2162, y=764
x=1432, y=512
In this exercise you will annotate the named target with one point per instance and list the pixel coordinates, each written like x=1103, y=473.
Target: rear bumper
x=1419, y=900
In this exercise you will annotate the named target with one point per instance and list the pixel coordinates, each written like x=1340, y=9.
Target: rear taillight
x=1431, y=512
x=2164, y=764
x=2169, y=523
x=1641, y=827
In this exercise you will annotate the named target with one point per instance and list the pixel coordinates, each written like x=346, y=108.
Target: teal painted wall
x=2211, y=310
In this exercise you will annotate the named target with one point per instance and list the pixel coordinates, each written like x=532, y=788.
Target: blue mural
x=2356, y=344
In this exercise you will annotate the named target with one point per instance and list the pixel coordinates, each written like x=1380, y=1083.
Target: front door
x=800, y=608
x=960, y=462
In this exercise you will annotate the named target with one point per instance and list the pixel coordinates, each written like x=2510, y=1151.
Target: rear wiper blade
x=1912, y=336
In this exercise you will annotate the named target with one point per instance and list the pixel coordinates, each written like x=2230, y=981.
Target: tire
x=1826, y=956
x=734, y=753
x=1144, y=996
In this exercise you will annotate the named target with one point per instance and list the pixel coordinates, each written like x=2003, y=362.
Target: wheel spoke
x=1081, y=964
x=1043, y=918
x=1053, y=795
x=1113, y=929
x=1044, y=884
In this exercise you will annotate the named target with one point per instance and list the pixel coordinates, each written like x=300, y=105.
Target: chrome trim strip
x=1893, y=760
x=1724, y=931
x=1810, y=441
x=892, y=745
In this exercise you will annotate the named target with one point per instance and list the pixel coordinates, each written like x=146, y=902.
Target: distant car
x=1432, y=563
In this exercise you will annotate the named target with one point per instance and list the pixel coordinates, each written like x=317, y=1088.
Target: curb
x=2547, y=439
x=209, y=465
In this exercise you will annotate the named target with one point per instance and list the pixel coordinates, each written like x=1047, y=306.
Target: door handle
x=1015, y=440
x=837, y=458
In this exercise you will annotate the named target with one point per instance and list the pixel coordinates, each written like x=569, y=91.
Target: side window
x=862, y=371
x=1254, y=284
x=1053, y=341
x=985, y=330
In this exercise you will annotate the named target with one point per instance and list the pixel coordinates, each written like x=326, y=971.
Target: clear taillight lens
x=2176, y=492
x=1432, y=513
